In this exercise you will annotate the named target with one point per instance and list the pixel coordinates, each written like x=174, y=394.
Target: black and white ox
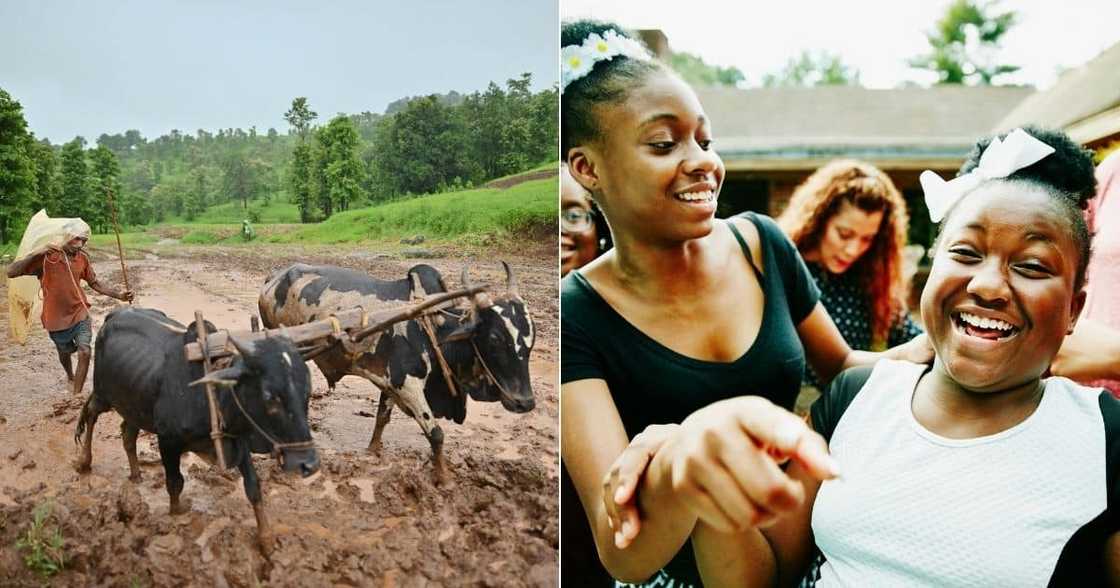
x=140, y=370
x=486, y=345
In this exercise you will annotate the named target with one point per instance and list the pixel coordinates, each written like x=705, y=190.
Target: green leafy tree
x=48, y=190
x=106, y=173
x=963, y=44
x=300, y=116
x=242, y=177
x=299, y=184
x=342, y=170
x=76, y=184
x=17, y=169
x=696, y=72
x=813, y=69
x=423, y=148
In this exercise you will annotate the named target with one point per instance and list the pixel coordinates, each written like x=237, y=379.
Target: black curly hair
x=607, y=82
x=1066, y=175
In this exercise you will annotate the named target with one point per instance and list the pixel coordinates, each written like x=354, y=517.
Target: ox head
x=273, y=386
x=501, y=331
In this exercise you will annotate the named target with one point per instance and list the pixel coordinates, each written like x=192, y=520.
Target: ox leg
x=128, y=439
x=265, y=538
x=411, y=399
x=384, y=411
x=169, y=452
x=92, y=409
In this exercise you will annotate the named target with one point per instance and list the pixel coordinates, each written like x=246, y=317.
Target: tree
x=963, y=44
x=813, y=69
x=342, y=170
x=48, y=190
x=242, y=177
x=75, y=180
x=299, y=185
x=106, y=173
x=300, y=117
x=17, y=169
x=695, y=71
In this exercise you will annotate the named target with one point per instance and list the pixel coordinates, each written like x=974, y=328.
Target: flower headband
x=999, y=160
x=577, y=61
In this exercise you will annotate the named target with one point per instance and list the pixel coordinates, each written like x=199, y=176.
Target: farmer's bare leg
x=83, y=368
x=64, y=359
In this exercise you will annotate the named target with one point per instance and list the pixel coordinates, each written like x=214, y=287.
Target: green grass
x=275, y=211
x=467, y=214
x=43, y=549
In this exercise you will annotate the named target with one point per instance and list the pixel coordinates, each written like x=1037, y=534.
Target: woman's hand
x=723, y=463
x=619, y=498
x=916, y=350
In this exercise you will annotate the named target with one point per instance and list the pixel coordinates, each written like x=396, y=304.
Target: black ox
x=486, y=346
x=141, y=371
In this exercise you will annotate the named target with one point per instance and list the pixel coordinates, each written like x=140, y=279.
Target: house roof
x=1085, y=101
x=796, y=127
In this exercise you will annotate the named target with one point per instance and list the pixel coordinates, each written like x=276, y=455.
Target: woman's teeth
x=705, y=196
x=986, y=323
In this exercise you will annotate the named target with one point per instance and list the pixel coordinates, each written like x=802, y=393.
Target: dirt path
x=361, y=521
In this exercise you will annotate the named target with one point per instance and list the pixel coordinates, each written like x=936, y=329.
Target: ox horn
x=511, y=282
x=480, y=300
x=245, y=348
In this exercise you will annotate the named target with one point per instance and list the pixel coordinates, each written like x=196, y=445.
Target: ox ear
x=225, y=377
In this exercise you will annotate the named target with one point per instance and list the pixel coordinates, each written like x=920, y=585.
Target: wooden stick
x=348, y=320
x=215, y=428
x=117, y=230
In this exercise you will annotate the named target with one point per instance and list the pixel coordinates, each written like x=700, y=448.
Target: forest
x=419, y=145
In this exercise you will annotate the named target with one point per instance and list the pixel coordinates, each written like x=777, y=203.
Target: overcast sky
x=875, y=36
x=82, y=67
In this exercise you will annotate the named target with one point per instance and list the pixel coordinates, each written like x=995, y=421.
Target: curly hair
x=1066, y=175
x=879, y=269
x=607, y=82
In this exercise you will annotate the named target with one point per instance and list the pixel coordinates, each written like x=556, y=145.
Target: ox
x=141, y=372
x=485, y=346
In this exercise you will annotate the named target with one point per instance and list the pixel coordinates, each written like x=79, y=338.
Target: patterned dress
x=847, y=304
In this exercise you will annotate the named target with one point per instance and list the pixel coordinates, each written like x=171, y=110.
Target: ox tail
x=82, y=418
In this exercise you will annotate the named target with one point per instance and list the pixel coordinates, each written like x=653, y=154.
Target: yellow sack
x=24, y=301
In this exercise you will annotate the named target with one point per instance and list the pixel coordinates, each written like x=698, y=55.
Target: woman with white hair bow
x=60, y=265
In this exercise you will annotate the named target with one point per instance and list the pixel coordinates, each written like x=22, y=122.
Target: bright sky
x=81, y=67
x=874, y=36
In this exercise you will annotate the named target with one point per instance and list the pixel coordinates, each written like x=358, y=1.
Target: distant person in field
x=584, y=234
x=65, y=308
x=849, y=223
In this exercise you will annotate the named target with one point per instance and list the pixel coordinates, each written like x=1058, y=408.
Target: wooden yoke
x=309, y=336
x=215, y=423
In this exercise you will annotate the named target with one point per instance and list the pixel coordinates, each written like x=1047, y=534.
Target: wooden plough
x=347, y=329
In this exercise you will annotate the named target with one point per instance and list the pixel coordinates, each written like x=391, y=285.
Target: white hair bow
x=999, y=160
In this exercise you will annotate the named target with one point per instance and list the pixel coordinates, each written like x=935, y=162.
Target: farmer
x=65, y=308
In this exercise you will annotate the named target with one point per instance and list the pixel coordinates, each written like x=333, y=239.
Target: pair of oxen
x=141, y=372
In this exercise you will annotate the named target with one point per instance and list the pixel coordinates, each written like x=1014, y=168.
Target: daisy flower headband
x=576, y=61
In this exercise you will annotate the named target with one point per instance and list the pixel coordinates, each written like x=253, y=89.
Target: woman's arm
x=1091, y=352
x=829, y=354
x=593, y=438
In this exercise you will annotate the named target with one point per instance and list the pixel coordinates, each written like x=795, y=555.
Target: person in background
x=583, y=232
x=849, y=223
x=1091, y=355
x=65, y=308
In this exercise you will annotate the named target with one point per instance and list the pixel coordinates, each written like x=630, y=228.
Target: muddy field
x=362, y=520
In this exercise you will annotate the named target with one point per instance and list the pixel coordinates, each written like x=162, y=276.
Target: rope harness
x=219, y=432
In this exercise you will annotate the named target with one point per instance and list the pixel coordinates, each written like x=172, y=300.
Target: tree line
x=420, y=145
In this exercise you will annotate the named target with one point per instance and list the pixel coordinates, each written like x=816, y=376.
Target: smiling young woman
x=849, y=222
x=685, y=311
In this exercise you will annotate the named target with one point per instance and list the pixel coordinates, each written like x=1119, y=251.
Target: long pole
x=211, y=399
x=117, y=231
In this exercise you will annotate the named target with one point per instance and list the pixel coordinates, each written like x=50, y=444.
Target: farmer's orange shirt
x=64, y=302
